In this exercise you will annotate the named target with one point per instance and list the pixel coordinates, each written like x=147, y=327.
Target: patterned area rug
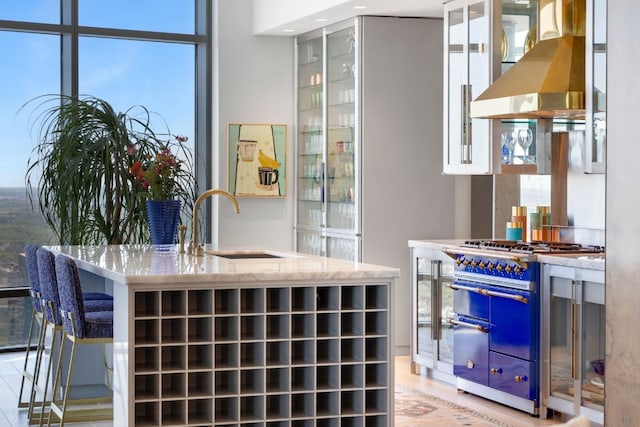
x=414, y=408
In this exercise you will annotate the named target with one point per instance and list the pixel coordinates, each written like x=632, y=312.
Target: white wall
x=255, y=85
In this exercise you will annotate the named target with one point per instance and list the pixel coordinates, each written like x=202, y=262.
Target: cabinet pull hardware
x=436, y=299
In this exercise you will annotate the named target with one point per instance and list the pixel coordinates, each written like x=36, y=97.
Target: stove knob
x=508, y=268
x=490, y=266
x=499, y=267
x=482, y=264
x=496, y=371
x=474, y=263
x=517, y=269
x=458, y=261
x=465, y=262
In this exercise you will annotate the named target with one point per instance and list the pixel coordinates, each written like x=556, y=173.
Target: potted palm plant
x=82, y=165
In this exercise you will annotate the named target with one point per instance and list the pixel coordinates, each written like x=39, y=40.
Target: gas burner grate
x=535, y=247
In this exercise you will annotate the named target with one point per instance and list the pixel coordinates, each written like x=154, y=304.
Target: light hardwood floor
x=11, y=366
x=447, y=392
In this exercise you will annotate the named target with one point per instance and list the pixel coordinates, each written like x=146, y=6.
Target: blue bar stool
x=36, y=318
x=80, y=327
x=53, y=321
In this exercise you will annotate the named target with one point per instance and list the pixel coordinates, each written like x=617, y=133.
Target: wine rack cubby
x=286, y=356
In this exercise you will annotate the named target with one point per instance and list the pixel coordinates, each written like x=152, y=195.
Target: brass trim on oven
x=487, y=292
x=468, y=325
x=453, y=253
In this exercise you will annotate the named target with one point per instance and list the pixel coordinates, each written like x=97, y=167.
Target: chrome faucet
x=194, y=248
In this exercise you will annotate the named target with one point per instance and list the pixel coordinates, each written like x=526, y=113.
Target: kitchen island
x=245, y=339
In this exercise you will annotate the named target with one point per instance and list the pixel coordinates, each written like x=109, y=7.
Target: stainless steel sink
x=243, y=254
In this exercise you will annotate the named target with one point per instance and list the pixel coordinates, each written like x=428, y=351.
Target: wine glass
x=525, y=139
x=509, y=141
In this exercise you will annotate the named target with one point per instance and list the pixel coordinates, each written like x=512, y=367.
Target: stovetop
x=535, y=247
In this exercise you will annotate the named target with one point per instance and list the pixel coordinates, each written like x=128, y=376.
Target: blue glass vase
x=163, y=216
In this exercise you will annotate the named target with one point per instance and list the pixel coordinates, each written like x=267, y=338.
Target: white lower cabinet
x=302, y=355
x=573, y=335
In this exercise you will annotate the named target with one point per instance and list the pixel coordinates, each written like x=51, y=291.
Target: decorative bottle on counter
x=514, y=230
x=519, y=214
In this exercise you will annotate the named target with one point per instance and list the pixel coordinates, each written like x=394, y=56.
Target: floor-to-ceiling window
x=142, y=52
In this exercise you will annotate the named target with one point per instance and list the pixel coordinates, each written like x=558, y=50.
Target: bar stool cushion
x=97, y=324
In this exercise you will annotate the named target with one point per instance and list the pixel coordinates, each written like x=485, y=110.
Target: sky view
x=125, y=73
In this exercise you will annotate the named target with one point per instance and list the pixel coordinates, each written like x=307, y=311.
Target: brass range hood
x=549, y=80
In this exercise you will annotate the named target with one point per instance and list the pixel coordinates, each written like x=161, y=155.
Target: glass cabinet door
x=592, y=345
x=468, y=62
x=341, y=129
x=311, y=141
x=433, y=337
x=517, y=145
x=562, y=319
x=576, y=347
x=596, y=79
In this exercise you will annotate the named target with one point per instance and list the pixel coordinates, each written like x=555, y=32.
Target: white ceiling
x=292, y=17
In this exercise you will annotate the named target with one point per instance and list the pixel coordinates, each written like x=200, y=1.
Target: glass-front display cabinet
x=573, y=341
x=469, y=70
x=432, y=304
x=596, y=94
x=483, y=39
x=521, y=151
x=327, y=194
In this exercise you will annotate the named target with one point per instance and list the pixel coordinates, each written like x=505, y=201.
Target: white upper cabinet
x=468, y=71
x=596, y=93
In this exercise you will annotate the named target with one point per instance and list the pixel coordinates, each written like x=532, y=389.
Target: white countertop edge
x=139, y=264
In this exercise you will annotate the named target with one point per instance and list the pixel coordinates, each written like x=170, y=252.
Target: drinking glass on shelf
x=525, y=139
x=509, y=141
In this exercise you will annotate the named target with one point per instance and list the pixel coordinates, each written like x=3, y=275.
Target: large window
x=144, y=52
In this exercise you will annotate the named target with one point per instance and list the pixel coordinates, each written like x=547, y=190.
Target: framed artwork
x=257, y=156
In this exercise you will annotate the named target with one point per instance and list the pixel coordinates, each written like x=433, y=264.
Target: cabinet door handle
x=465, y=143
x=436, y=300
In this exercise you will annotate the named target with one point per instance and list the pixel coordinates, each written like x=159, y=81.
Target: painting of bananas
x=257, y=160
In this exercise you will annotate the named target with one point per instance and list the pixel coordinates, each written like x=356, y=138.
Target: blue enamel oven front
x=496, y=332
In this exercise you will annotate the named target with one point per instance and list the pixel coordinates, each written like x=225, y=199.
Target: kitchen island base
x=278, y=355
x=292, y=340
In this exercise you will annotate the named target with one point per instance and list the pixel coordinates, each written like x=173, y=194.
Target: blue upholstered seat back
x=70, y=295
x=49, y=285
x=97, y=324
x=31, y=259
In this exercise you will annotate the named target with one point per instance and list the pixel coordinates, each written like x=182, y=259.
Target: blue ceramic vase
x=163, y=216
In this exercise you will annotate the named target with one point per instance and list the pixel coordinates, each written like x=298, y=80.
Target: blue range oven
x=497, y=327
x=497, y=318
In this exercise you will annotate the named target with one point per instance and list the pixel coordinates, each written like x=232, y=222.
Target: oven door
x=471, y=343
x=514, y=323
x=513, y=315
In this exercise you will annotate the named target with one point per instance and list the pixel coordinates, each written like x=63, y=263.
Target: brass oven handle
x=468, y=325
x=487, y=292
x=453, y=253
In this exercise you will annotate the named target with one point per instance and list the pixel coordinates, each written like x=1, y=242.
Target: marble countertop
x=140, y=264
x=590, y=261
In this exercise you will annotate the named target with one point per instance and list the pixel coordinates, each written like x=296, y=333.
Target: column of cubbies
x=289, y=356
x=173, y=358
